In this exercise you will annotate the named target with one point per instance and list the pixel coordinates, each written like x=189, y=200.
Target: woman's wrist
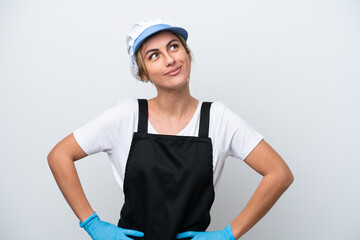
x=82, y=224
x=85, y=215
x=237, y=231
x=229, y=232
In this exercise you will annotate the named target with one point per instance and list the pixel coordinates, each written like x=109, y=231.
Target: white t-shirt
x=112, y=132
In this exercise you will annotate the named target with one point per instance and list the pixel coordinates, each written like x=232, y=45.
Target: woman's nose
x=169, y=59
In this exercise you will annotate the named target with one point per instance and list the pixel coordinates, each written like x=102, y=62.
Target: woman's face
x=166, y=60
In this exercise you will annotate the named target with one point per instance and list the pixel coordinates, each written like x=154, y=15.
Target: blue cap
x=157, y=28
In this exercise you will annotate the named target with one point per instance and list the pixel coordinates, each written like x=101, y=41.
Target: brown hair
x=142, y=71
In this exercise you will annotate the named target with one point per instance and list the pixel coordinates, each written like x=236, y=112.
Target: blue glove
x=100, y=230
x=225, y=234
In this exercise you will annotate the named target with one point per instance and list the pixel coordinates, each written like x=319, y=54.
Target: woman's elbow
x=56, y=156
x=286, y=178
x=51, y=158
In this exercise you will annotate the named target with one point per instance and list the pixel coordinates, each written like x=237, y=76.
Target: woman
x=167, y=152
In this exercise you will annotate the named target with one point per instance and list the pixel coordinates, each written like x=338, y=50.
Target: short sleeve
x=97, y=135
x=243, y=138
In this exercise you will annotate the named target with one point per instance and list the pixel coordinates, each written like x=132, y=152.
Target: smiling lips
x=173, y=72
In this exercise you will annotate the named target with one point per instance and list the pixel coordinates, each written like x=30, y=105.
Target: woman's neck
x=173, y=104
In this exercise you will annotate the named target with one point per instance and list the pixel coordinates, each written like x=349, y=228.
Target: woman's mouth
x=173, y=72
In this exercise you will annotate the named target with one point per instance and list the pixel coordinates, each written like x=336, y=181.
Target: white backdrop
x=288, y=68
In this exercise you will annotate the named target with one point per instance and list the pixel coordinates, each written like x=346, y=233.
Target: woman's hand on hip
x=100, y=230
x=225, y=234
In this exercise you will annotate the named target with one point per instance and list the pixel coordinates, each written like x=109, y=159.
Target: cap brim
x=154, y=29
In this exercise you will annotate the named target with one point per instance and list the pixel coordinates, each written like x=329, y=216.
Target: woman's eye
x=153, y=56
x=175, y=46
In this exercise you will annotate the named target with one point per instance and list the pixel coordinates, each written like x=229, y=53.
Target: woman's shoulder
x=127, y=104
x=215, y=103
x=127, y=108
x=123, y=109
x=221, y=113
x=216, y=106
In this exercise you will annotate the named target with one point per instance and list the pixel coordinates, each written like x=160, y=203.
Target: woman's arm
x=277, y=177
x=61, y=161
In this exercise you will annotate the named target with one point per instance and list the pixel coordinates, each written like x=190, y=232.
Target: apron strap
x=204, y=119
x=143, y=116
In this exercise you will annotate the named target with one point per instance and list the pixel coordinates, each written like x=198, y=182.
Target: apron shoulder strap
x=143, y=116
x=204, y=119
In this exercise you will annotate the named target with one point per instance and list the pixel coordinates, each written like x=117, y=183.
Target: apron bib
x=168, y=184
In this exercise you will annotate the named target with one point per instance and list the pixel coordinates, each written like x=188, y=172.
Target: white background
x=288, y=68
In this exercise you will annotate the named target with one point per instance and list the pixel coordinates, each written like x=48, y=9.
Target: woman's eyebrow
x=156, y=49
